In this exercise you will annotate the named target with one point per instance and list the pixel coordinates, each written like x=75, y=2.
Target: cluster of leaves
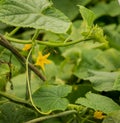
x=84, y=48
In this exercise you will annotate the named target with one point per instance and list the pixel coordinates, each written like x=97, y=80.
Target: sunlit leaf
x=35, y=14
x=98, y=102
x=87, y=15
x=52, y=97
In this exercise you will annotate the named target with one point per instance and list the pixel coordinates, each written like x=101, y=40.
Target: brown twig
x=22, y=59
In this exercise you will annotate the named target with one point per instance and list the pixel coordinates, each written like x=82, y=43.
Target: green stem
x=52, y=44
x=35, y=37
x=17, y=40
x=29, y=58
x=51, y=116
x=29, y=88
x=85, y=119
x=27, y=74
x=13, y=31
x=15, y=99
x=28, y=71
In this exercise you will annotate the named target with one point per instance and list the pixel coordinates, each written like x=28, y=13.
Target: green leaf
x=117, y=83
x=87, y=62
x=13, y=113
x=51, y=72
x=113, y=117
x=87, y=15
x=104, y=81
x=63, y=74
x=102, y=9
x=52, y=97
x=110, y=59
x=79, y=91
x=19, y=83
x=98, y=102
x=113, y=35
x=76, y=30
x=4, y=69
x=2, y=27
x=69, y=7
x=73, y=54
x=35, y=14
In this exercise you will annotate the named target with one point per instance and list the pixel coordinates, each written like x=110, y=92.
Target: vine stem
x=52, y=44
x=13, y=31
x=27, y=75
x=29, y=88
x=29, y=58
x=52, y=116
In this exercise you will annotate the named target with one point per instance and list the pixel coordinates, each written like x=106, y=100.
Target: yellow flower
x=41, y=60
x=27, y=47
x=99, y=115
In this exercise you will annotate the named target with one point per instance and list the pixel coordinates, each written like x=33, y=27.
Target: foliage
x=104, y=104
x=59, y=61
x=51, y=97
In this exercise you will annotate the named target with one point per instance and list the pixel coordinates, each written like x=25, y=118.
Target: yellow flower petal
x=42, y=60
x=99, y=115
x=27, y=47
